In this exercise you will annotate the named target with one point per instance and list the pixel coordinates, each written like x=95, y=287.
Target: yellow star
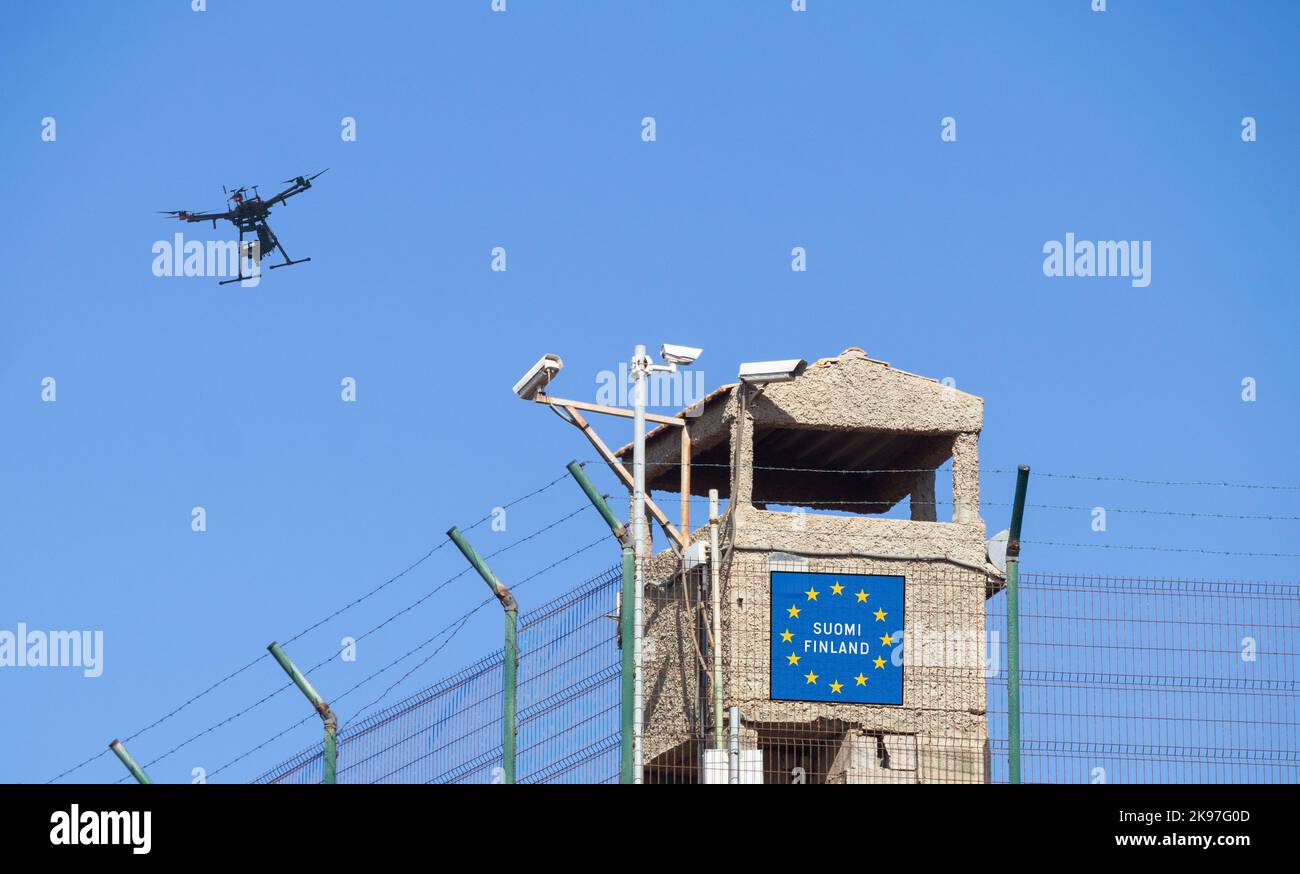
x=794, y=659
x=862, y=680
x=886, y=640
x=837, y=589
x=811, y=678
x=836, y=686
x=786, y=636
x=880, y=615
x=793, y=611
x=880, y=663
x=862, y=596
x=812, y=593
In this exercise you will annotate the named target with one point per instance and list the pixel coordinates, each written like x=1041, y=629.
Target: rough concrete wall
x=944, y=663
x=672, y=712
x=742, y=451
x=944, y=650
x=966, y=479
x=866, y=758
x=850, y=392
x=777, y=531
x=922, y=499
x=854, y=392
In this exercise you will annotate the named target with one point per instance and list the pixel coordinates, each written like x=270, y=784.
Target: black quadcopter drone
x=249, y=215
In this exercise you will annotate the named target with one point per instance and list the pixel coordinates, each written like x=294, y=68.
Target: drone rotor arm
x=297, y=185
x=186, y=216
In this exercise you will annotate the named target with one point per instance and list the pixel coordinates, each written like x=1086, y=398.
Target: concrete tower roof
x=846, y=413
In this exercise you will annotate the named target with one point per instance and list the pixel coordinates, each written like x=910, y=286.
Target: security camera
x=771, y=371
x=538, y=376
x=684, y=355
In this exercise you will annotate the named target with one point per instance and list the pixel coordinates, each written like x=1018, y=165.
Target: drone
x=249, y=214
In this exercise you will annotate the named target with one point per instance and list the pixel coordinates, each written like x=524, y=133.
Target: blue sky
x=523, y=129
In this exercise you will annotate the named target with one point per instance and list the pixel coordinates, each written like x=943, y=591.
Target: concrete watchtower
x=853, y=581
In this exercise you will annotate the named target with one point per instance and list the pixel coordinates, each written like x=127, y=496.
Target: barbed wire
x=1157, y=482
x=987, y=470
x=793, y=502
x=1256, y=517
x=454, y=630
x=79, y=765
x=213, y=727
x=235, y=673
x=875, y=538
x=727, y=465
x=409, y=607
x=480, y=606
x=1136, y=546
x=336, y=699
x=454, y=627
x=363, y=636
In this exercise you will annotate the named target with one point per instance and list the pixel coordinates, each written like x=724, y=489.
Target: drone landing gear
x=242, y=277
x=288, y=262
x=268, y=241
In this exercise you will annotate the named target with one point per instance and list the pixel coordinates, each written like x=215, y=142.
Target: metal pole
x=597, y=499
x=640, y=363
x=510, y=656
x=318, y=703
x=136, y=771
x=627, y=689
x=733, y=775
x=509, y=696
x=1013, y=625
x=715, y=607
x=686, y=482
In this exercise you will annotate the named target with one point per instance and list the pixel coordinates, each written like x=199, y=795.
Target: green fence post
x=510, y=663
x=627, y=687
x=136, y=771
x=318, y=704
x=1013, y=625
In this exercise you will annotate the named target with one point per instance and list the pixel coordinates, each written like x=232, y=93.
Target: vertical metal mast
x=639, y=372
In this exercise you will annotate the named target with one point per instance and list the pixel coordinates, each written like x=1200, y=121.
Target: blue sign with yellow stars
x=834, y=638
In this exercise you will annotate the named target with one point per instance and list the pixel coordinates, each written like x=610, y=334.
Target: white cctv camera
x=684, y=355
x=771, y=371
x=538, y=376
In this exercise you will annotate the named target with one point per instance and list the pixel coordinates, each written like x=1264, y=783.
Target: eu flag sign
x=834, y=637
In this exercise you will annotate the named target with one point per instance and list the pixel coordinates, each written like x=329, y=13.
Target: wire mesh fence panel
x=843, y=669
x=850, y=670
x=451, y=732
x=1158, y=681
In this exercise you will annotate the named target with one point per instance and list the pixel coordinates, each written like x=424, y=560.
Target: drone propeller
x=302, y=180
x=181, y=213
